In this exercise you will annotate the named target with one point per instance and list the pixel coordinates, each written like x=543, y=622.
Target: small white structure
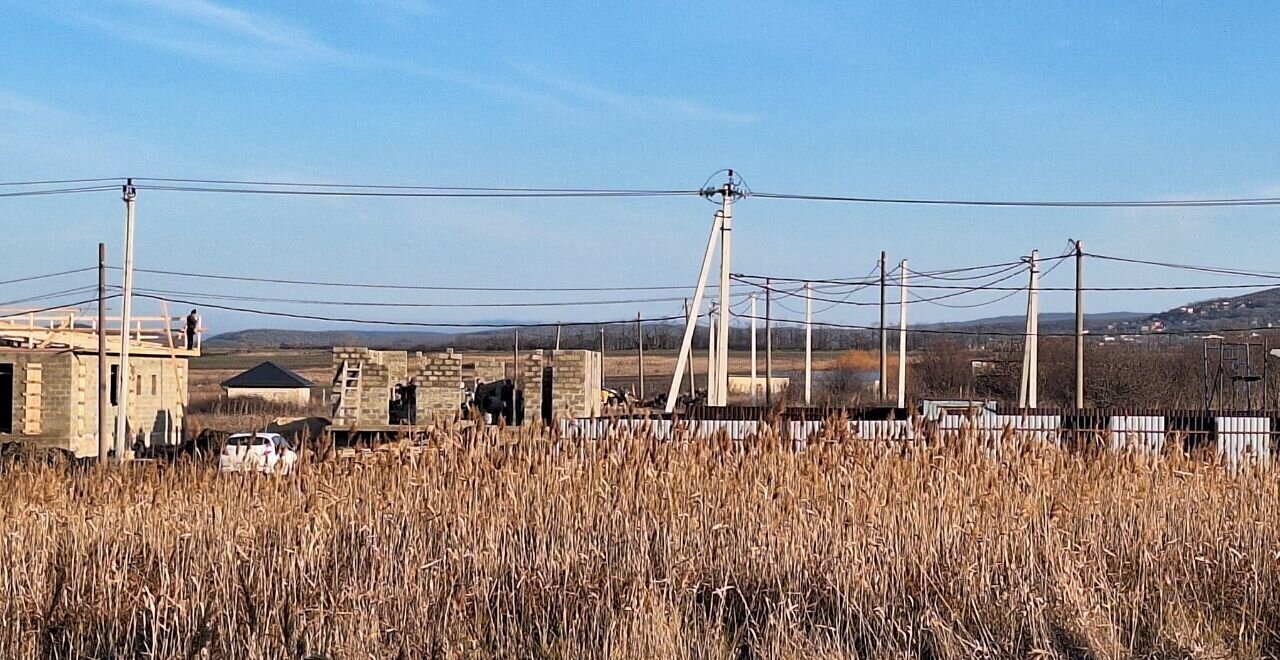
x=742, y=385
x=271, y=382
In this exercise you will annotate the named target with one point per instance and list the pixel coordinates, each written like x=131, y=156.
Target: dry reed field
x=504, y=544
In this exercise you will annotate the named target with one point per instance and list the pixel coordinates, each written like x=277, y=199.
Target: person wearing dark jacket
x=193, y=325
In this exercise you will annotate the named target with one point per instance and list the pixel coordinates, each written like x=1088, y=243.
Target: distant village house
x=271, y=382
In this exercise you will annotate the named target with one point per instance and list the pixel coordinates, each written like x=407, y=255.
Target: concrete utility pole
x=754, y=395
x=122, y=374
x=1028, y=397
x=902, y=335
x=727, y=193
x=808, y=343
x=691, y=321
x=104, y=442
x=1079, y=325
x=640, y=353
x=557, y=337
x=602, y=357
x=884, y=330
x=713, y=355
x=691, y=383
x=768, y=343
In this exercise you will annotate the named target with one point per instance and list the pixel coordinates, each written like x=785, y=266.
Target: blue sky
x=978, y=100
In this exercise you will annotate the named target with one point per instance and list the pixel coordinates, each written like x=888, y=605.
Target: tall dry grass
x=499, y=545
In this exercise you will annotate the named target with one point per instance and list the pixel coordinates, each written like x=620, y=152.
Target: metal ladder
x=348, y=386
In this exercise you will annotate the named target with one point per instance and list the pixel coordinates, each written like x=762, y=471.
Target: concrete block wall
x=575, y=383
x=486, y=367
x=438, y=384
x=61, y=411
x=381, y=371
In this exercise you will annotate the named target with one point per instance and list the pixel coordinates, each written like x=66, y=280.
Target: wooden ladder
x=348, y=386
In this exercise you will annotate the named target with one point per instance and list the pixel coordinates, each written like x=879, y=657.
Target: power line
x=1202, y=269
x=49, y=296
x=59, y=181
x=1244, y=201
x=363, y=303
x=407, y=287
x=415, y=324
x=1023, y=334
x=57, y=191
x=48, y=275
x=362, y=186
x=25, y=312
x=457, y=194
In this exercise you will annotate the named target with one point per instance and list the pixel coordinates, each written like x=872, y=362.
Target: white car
x=268, y=453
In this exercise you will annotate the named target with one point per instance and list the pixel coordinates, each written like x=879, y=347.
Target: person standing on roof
x=193, y=324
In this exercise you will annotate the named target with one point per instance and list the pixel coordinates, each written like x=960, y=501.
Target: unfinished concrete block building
x=554, y=384
x=49, y=381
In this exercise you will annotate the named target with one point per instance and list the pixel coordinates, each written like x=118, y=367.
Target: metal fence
x=1234, y=437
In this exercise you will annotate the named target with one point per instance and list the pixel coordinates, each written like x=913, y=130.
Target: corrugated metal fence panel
x=1044, y=428
x=884, y=429
x=1243, y=439
x=1143, y=432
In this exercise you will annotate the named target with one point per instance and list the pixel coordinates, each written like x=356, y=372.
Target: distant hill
x=1048, y=321
x=1260, y=309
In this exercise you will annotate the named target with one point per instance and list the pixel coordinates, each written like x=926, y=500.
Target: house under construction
x=546, y=385
x=49, y=380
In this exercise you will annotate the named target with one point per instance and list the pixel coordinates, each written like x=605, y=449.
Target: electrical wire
x=363, y=303
x=48, y=275
x=414, y=324
x=1202, y=269
x=1023, y=334
x=50, y=296
x=57, y=191
x=362, y=186
x=457, y=194
x=1174, y=203
x=409, y=287
x=26, y=312
x=59, y=181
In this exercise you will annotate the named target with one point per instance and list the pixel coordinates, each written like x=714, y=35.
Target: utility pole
x=768, y=343
x=557, y=337
x=884, y=330
x=640, y=353
x=1027, y=397
x=691, y=320
x=902, y=334
x=808, y=343
x=713, y=369
x=754, y=395
x=103, y=439
x=1079, y=325
x=691, y=383
x=602, y=357
x=130, y=194
x=727, y=193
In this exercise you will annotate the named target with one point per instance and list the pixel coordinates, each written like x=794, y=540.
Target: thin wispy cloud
x=635, y=105
x=208, y=31
x=13, y=103
x=222, y=34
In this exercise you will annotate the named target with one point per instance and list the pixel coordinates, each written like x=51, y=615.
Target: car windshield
x=244, y=441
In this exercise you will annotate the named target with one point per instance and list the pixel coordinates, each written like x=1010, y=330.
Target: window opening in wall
x=6, y=398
